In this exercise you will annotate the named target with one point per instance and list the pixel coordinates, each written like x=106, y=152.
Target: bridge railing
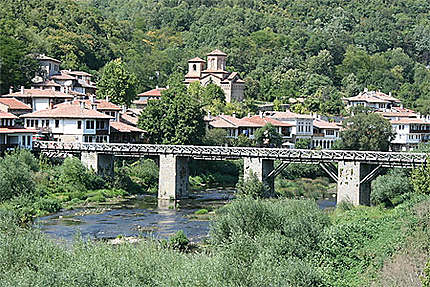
x=297, y=155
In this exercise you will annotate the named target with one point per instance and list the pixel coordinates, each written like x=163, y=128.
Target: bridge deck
x=391, y=159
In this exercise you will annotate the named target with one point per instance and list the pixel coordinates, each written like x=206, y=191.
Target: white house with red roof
x=14, y=106
x=142, y=101
x=325, y=133
x=373, y=99
x=410, y=132
x=214, y=71
x=13, y=135
x=71, y=122
x=302, y=125
x=39, y=99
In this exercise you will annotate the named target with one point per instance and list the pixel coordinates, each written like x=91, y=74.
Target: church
x=213, y=71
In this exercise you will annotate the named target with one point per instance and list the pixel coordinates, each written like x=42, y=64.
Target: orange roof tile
x=68, y=111
x=129, y=119
x=196, y=59
x=39, y=93
x=102, y=105
x=326, y=125
x=410, y=121
x=16, y=130
x=14, y=104
x=217, y=52
x=262, y=121
x=152, y=93
x=124, y=128
x=6, y=115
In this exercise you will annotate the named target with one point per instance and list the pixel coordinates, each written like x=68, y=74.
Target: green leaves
x=367, y=132
x=175, y=119
x=117, y=83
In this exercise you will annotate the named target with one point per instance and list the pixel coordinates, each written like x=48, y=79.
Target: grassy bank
x=253, y=243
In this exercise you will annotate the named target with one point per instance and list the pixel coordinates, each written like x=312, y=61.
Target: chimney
x=107, y=98
x=234, y=115
x=92, y=98
x=22, y=90
x=249, y=115
x=10, y=90
x=389, y=94
x=94, y=106
x=53, y=88
x=260, y=113
x=82, y=104
x=124, y=108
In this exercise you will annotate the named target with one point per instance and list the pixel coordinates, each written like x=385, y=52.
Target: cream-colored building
x=214, y=71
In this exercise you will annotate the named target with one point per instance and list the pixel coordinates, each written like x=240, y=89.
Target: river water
x=142, y=216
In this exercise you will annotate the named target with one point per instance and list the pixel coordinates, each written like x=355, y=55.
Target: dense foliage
x=321, y=51
x=392, y=188
x=117, y=84
x=175, y=119
x=268, y=136
x=366, y=131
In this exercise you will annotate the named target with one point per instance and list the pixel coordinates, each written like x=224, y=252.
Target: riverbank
x=252, y=243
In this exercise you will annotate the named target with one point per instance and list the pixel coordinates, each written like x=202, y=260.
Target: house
x=39, y=99
x=12, y=134
x=142, y=101
x=48, y=66
x=283, y=128
x=375, y=100
x=123, y=133
x=82, y=82
x=409, y=132
x=325, y=134
x=214, y=71
x=301, y=125
x=14, y=106
x=102, y=106
x=70, y=123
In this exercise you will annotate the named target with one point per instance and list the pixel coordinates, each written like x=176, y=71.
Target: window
x=57, y=124
x=329, y=132
x=79, y=125
x=90, y=125
x=100, y=125
x=194, y=67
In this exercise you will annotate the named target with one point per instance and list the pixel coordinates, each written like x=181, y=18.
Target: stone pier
x=173, y=177
x=261, y=168
x=102, y=164
x=352, y=185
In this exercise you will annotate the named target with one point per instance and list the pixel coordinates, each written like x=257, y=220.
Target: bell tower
x=216, y=61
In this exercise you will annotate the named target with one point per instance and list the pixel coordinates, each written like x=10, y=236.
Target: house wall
x=40, y=104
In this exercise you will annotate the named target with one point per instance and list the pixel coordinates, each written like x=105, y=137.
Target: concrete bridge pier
x=353, y=183
x=262, y=168
x=102, y=164
x=173, y=177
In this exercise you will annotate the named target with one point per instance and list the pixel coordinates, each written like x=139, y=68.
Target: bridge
x=353, y=174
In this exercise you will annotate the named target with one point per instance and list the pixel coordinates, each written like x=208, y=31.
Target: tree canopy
x=317, y=50
x=366, y=131
x=175, y=119
x=117, y=83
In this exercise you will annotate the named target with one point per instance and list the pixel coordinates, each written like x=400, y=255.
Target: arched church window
x=194, y=67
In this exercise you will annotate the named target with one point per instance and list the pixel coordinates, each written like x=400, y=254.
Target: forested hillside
x=320, y=50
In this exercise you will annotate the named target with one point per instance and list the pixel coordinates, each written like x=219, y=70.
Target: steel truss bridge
x=385, y=159
x=352, y=170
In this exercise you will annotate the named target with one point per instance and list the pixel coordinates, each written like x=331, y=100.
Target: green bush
x=201, y=211
x=16, y=174
x=298, y=222
x=179, y=241
x=252, y=187
x=391, y=189
x=425, y=279
x=138, y=176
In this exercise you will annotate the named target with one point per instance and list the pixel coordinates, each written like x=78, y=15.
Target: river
x=141, y=216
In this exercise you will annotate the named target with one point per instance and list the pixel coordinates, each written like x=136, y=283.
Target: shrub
x=252, y=187
x=426, y=278
x=299, y=223
x=421, y=179
x=391, y=189
x=179, y=241
x=201, y=211
x=16, y=176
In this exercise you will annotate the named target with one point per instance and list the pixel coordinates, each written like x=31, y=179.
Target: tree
x=303, y=143
x=268, y=136
x=367, y=132
x=175, y=119
x=16, y=69
x=391, y=189
x=117, y=83
x=216, y=137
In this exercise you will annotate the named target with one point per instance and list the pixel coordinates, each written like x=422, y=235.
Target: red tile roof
x=217, y=52
x=102, y=105
x=77, y=73
x=6, y=115
x=226, y=121
x=48, y=83
x=262, y=121
x=410, y=121
x=14, y=104
x=68, y=111
x=63, y=76
x=16, y=130
x=287, y=115
x=39, y=93
x=326, y=125
x=196, y=59
x=129, y=119
x=124, y=128
x=152, y=93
